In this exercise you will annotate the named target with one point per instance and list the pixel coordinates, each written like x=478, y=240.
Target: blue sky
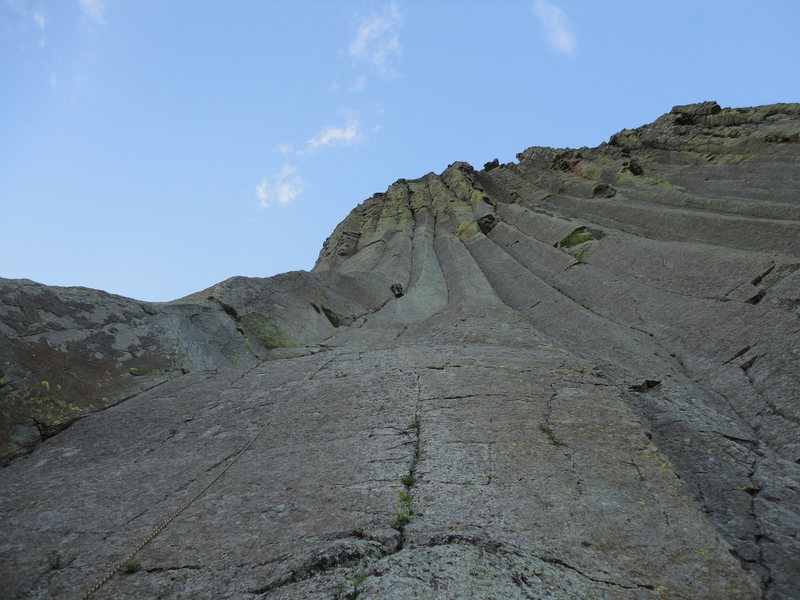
x=152, y=148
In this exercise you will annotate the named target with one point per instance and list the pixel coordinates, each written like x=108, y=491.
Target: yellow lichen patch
x=467, y=230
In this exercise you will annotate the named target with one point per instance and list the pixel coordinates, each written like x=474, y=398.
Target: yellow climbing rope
x=161, y=527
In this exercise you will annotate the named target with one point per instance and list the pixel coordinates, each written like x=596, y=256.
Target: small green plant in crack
x=129, y=567
x=544, y=428
x=359, y=575
x=402, y=519
x=408, y=480
x=414, y=424
x=404, y=510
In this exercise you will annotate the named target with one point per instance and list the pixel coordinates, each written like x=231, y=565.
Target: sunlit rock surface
x=590, y=390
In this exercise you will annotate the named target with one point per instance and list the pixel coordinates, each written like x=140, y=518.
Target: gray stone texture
x=589, y=391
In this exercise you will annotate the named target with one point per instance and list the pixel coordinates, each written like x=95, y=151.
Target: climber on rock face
x=397, y=289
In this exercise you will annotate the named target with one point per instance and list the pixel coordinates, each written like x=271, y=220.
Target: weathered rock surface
x=68, y=351
x=590, y=390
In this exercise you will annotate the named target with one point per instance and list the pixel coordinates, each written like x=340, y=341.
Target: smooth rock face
x=588, y=391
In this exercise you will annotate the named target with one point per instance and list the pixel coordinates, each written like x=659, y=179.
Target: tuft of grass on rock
x=544, y=428
x=404, y=510
x=129, y=567
x=402, y=519
x=358, y=579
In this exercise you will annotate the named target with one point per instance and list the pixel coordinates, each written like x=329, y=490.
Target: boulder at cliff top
x=589, y=390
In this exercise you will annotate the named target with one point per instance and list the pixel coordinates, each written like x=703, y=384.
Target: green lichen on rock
x=395, y=208
x=627, y=138
x=603, y=190
x=598, y=167
x=579, y=242
x=578, y=236
x=667, y=185
x=50, y=414
x=263, y=328
x=467, y=230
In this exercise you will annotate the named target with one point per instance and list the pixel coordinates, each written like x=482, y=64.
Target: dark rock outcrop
x=589, y=390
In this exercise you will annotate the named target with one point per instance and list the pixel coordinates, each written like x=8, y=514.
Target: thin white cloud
x=93, y=9
x=53, y=82
x=284, y=148
x=280, y=189
x=555, y=25
x=38, y=17
x=333, y=136
x=377, y=40
x=359, y=85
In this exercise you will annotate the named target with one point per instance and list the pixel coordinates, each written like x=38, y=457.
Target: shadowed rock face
x=589, y=390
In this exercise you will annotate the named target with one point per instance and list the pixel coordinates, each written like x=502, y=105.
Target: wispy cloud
x=377, y=40
x=284, y=148
x=359, y=85
x=555, y=25
x=333, y=136
x=281, y=188
x=93, y=9
x=38, y=17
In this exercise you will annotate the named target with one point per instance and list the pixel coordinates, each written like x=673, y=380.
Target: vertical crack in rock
x=405, y=506
x=552, y=436
x=761, y=564
x=412, y=276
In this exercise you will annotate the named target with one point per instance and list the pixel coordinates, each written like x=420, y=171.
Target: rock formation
x=589, y=390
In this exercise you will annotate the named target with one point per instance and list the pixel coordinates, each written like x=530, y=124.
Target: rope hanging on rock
x=161, y=527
